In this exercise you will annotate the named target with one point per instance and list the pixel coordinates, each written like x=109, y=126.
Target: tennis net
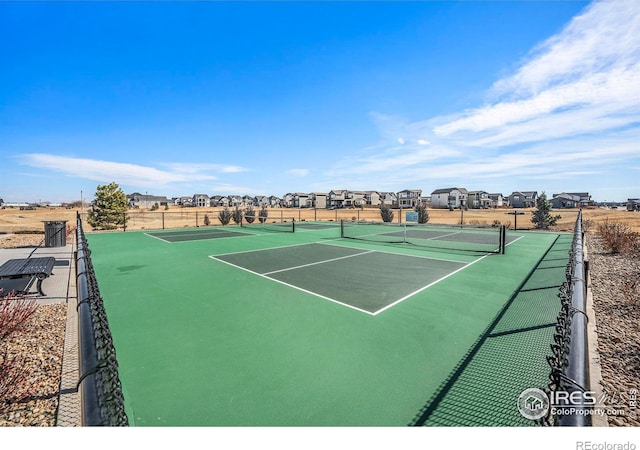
x=468, y=238
x=284, y=224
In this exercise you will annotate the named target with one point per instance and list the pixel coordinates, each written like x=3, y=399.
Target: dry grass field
x=31, y=221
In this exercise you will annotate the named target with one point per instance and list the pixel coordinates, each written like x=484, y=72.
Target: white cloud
x=590, y=70
x=400, y=141
x=124, y=173
x=570, y=109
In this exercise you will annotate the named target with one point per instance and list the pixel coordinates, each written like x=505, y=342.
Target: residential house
x=247, y=200
x=409, y=198
x=261, y=201
x=235, y=201
x=565, y=200
x=216, y=200
x=301, y=200
x=354, y=199
x=372, y=198
x=572, y=200
x=137, y=200
x=318, y=200
x=523, y=199
x=497, y=200
x=336, y=198
x=274, y=201
x=201, y=200
x=287, y=200
x=388, y=199
x=185, y=201
x=479, y=200
x=449, y=197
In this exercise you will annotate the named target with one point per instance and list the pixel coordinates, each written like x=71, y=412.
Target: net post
x=503, y=238
x=293, y=224
x=342, y=228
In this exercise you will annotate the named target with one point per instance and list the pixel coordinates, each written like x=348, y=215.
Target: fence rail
x=569, y=359
x=101, y=396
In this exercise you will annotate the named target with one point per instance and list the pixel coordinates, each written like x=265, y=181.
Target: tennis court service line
x=263, y=249
x=292, y=285
x=390, y=305
x=364, y=252
x=396, y=253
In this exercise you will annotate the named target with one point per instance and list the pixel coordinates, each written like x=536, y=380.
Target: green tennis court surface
x=227, y=326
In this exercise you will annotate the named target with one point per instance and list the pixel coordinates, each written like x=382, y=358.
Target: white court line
x=429, y=285
x=265, y=275
x=400, y=254
x=159, y=238
x=515, y=240
x=364, y=252
x=196, y=233
x=295, y=287
x=263, y=249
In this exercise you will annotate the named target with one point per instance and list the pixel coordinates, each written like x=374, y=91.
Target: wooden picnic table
x=39, y=268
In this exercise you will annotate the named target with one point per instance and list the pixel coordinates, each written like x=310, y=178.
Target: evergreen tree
x=541, y=217
x=423, y=214
x=109, y=209
x=386, y=213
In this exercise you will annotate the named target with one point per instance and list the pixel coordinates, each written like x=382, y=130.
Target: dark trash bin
x=55, y=233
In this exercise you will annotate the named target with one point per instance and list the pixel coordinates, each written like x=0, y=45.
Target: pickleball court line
x=294, y=286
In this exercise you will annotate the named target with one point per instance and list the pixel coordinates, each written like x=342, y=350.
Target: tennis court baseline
x=366, y=280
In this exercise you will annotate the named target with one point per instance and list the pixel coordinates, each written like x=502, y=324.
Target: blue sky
x=177, y=98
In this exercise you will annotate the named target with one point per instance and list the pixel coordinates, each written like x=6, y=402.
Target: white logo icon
x=533, y=403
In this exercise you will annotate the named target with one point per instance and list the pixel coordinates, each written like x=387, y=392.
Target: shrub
x=617, y=237
x=237, y=216
x=224, y=216
x=250, y=214
x=263, y=214
x=15, y=312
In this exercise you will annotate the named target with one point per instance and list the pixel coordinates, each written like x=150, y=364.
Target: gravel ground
x=617, y=308
x=38, y=346
x=21, y=240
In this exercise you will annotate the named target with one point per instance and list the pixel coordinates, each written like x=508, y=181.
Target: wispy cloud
x=125, y=173
x=571, y=106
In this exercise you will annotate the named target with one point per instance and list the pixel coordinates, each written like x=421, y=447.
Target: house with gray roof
x=523, y=199
x=449, y=197
x=137, y=200
x=571, y=200
x=409, y=198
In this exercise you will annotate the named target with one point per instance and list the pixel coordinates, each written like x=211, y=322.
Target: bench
x=39, y=268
